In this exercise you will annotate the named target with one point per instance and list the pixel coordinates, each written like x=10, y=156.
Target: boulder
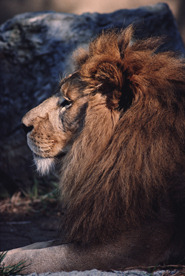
x=35, y=50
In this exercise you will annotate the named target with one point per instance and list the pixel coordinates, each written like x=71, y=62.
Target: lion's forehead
x=72, y=87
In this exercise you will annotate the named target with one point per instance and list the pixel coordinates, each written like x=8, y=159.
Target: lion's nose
x=27, y=128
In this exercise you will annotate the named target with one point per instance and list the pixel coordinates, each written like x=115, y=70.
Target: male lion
x=116, y=129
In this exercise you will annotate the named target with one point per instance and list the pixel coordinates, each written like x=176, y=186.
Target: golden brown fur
x=131, y=159
x=120, y=142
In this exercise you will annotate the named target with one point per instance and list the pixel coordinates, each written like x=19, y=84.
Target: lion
x=115, y=130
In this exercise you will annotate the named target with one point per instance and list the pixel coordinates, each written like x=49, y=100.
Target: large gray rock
x=35, y=50
x=95, y=272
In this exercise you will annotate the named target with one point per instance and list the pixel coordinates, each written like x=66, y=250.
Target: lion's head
x=117, y=129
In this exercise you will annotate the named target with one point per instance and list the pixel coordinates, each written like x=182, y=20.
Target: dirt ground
x=24, y=221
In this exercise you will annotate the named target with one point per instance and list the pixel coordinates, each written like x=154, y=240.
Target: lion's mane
x=115, y=179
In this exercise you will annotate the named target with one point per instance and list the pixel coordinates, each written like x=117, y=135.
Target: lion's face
x=54, y=125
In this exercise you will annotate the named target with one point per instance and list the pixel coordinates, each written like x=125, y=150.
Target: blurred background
x=9, y=8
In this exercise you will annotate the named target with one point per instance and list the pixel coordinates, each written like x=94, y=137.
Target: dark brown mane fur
x=127, y=167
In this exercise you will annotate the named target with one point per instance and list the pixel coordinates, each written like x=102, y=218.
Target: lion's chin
x=44, y=165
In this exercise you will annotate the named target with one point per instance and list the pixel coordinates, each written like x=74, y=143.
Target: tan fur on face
x=46, y=139
x=123, y=134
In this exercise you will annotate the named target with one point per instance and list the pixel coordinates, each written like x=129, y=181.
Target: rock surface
x=34, y=53
x=95, y=272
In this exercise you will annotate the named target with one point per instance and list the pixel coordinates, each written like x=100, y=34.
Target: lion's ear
x=110, y=81
x=106, y=77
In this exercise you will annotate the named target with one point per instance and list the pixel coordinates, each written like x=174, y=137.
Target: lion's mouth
x=39, y=150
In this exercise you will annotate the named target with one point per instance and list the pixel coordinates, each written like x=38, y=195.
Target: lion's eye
x=65, y=103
